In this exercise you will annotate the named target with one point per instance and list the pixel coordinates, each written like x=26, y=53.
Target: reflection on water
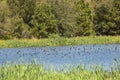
x=85, y=54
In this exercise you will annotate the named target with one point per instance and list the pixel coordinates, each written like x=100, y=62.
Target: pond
x=103, y=55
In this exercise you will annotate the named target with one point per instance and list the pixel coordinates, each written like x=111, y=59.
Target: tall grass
x=59, y=41
x=37, y=72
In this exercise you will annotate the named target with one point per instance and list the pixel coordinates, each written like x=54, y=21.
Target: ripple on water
x=84, y=54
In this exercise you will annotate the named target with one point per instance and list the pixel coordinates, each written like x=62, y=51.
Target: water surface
x=64, y=55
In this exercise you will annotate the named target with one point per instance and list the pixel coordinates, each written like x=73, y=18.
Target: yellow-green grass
x=37, y=72
x=60, y=41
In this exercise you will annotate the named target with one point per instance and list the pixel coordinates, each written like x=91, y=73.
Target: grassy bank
x=37, y=72
x=59, y=41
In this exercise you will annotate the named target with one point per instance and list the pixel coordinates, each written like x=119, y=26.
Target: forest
x=25, y=19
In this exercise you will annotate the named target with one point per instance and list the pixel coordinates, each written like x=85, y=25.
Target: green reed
x=37, y=72
x=59, y=41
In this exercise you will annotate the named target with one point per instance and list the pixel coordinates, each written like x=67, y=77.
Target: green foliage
x=53, y=36
x=37, y=72
x=107, y=18
x=19, y=28
x=84, y=18
x=21, y=12
x=65, y=15
x=22, y=8
x=66, y=18
x=43, y=21
x=2, y=15
x=55, y=40
x=4, y=21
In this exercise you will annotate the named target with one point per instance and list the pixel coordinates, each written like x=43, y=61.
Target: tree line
x=65, y=18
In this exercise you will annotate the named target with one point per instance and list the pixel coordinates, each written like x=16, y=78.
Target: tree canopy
x=65, y=18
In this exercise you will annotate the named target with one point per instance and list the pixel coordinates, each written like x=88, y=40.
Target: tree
x=116, y=15
x=107, y=17
x=84, y=18
x=65, y=15
x=20, y=16
x=43, y=21
x=23, y=8
x=4, y=29
x=19, y=28
x=2, y=21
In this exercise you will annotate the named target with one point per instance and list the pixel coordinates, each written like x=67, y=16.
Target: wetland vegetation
x=34, y=71
x=37, y=72
x=43, y=23
x=59, y=41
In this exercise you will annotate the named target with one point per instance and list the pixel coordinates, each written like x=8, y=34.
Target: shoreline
x=60, y=41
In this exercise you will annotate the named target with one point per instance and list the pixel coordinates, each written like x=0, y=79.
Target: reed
x=37, y=72
x=59, y=41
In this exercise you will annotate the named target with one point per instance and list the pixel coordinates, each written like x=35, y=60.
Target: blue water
x=103, y=55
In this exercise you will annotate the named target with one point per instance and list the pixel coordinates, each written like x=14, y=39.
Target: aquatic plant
x=37, y=72
x=59, y=41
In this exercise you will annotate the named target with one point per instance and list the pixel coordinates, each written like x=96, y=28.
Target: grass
x=59, y=41
x=37, y=72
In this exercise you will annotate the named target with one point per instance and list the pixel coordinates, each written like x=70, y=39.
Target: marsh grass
x=37, y=72
x=59, y=41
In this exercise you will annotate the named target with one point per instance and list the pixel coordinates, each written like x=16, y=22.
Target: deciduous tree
x=43, y=21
